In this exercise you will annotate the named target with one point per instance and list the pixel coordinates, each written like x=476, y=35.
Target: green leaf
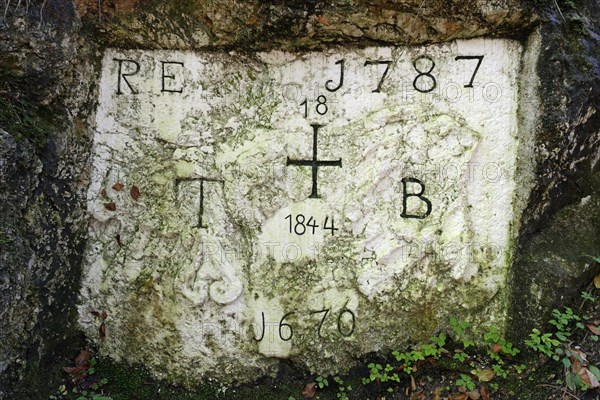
x=570, y=381
x=566, y=362
x=594, y=370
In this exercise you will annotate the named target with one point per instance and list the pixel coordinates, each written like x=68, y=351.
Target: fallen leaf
x=83, y=358
x=118, y=186
x=118, y=237
x=110, y=206
x=135, y=192
x=474, y=394
x=322, y=20
x=413, y=384
x=594, y=329
x=485, y=394
x=102, y=331
x=104, y=315
x=484, y=375
x=75, y=370
x=578, y=360
x=588, y=378
x=597, y=281
x=496, y=348
x=82, y=364
x=418, y=396
x=458, y=396
x=436, y=394
x=310, y=390
x=103, y=193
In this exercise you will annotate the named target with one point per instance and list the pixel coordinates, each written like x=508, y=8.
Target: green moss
x=132, y=382
x=25, y=121
x=4, y=239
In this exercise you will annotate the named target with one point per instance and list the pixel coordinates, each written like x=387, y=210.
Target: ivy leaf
x=135, y=192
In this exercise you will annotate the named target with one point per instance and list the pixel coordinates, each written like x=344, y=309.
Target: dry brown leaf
x=436, y=394
x=118, y=186
x=74, y=370
x=597, y=281
x=83, y=358
x=474, y=394
x=102, y=331
x=458, y=396
x=594, y=329
x=485, y=394
x=418, y=396
x=135, y=192
x=310, y=390
x=81, y=365
x=588, y=378
x=496, y=348
x=413, y=384
x=484, y=375
x=110, y=206
x=322, y=20
x=103, y=193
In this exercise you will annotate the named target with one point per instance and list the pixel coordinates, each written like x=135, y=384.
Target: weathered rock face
x=54, y=108
x=401, y=218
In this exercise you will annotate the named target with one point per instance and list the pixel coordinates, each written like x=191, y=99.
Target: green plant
x=558, y=346
x=433, y=350
x=342, y=388
x=460, y=356
x=587, y=296
x=459, y=328
x=322, y=382
x=543, y=343
x=466, y=382
x=88, y=386
x=493, y=337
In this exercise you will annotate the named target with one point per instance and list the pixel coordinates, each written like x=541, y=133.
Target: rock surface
x=231, y=239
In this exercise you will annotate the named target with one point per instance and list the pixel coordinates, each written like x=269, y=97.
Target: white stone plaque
x=315, y=206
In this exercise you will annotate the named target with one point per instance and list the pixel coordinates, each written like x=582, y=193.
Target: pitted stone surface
x=235, y=253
